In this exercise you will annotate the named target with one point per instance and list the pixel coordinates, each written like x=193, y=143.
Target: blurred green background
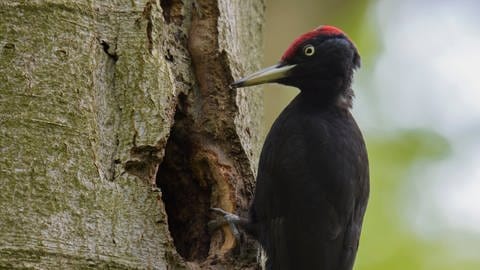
x=416, y=102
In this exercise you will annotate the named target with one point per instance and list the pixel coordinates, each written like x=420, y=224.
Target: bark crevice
x=108, y=50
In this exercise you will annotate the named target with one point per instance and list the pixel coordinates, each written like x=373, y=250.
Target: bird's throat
x=328, y=95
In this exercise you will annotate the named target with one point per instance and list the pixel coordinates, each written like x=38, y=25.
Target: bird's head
x=323, y=57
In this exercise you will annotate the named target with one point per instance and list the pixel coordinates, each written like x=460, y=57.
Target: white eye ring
x=309, y=50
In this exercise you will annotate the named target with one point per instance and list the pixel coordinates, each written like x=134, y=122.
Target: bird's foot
x=225, y=218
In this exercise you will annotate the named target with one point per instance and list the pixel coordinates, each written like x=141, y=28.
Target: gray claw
x=225, y=218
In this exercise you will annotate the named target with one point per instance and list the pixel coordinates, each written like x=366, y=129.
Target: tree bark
x=119, y=131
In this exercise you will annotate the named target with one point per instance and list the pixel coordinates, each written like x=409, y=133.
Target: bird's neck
x=328, y=94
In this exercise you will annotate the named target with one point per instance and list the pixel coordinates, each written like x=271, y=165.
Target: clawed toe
x=224, y=219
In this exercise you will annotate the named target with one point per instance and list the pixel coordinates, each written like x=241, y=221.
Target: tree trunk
x=119, y=131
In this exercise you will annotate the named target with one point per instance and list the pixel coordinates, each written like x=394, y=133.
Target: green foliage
x=387, y=242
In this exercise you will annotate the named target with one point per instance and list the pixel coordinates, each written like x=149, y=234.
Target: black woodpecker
x=313, y=179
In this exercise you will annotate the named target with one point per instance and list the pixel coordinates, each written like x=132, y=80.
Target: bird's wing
x=354, y=227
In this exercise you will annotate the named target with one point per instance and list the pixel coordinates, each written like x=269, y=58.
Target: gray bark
x=101, y=99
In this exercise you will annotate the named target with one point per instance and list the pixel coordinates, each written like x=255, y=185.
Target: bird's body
x=312, y=185
x=312, y=188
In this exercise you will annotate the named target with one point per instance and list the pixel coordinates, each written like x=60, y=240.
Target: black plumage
x=312, y=189
x=313, y=181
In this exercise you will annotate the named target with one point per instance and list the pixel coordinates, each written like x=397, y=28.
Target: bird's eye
x=309, y=50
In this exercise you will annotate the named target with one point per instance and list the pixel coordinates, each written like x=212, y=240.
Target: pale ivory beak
x=266, y=75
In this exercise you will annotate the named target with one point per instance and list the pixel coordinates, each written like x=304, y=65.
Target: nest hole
x=185, y=196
